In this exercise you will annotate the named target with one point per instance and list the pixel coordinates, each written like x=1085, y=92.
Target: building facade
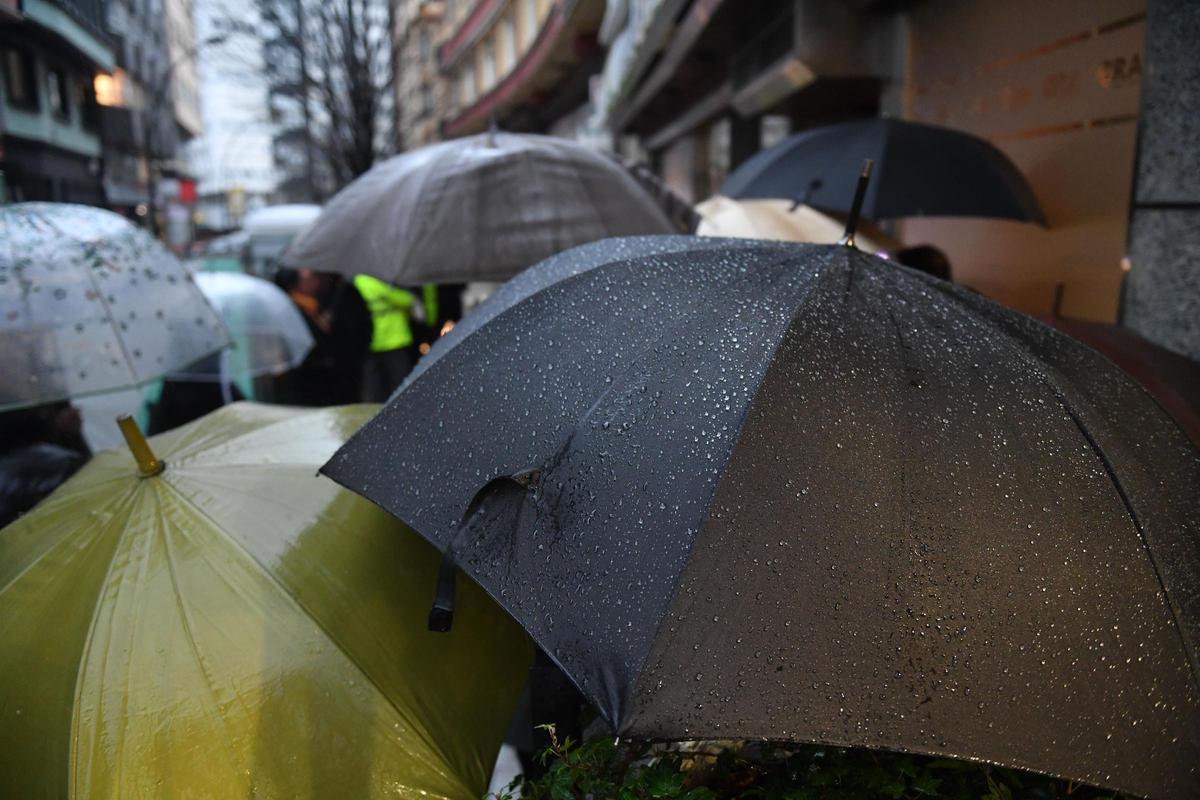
x=233, y=159
x=524, y=65
x=134, y=129
x=422, y=96
x=697, y=86
x=50, y=146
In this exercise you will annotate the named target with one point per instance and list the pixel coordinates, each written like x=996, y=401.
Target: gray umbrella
x=481, y=208
x=754, y=490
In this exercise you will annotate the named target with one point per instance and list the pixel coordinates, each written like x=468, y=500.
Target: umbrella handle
x=148, y=464
x=441, y=616
x=860, y=191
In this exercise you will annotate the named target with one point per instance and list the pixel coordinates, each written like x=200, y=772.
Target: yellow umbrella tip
x=147, y=464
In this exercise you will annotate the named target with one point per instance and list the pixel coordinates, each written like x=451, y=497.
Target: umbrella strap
x=441, y=616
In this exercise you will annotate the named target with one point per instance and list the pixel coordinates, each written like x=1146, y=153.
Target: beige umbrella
x=774, y=219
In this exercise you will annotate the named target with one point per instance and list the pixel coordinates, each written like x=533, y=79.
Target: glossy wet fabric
x=239, y=627
x=481, y=208
x=920, y=170
x=795, y=492
x=90, y=303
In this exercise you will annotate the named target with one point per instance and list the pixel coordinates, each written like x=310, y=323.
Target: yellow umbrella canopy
x=236, y=626
x=776, y=220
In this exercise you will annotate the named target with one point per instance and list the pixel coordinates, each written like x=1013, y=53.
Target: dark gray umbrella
x=920, y=170
x=481, y=208
x=793, y=492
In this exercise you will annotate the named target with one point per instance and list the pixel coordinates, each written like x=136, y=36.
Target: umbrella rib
x=47, y=503
x=1011, y=345
x=85, y=655
x=185, y=613
x=1137, y=523
x=415, y=217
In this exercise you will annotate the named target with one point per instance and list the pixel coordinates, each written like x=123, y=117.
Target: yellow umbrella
x=775, y=219
x=235, y=626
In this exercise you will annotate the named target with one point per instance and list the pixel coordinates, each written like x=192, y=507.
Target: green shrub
x=603, y=769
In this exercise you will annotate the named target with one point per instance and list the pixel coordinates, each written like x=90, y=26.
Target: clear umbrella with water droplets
x=91, y=303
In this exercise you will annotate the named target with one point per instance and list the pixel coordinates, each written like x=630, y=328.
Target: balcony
x=78, y=23
x=520, y=61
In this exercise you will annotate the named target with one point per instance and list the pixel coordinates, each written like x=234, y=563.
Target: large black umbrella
x=920, y=170
x=793, y=492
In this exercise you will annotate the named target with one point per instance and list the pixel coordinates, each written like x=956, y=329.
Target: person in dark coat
x=927, y=259
x=182, y=401
x=340, y=324
x=40, y=448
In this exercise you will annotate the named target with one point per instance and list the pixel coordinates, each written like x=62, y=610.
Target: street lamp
x=155, y=100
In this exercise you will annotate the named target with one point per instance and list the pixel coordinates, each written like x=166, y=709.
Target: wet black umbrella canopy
x=920, y=170
x=794, y=492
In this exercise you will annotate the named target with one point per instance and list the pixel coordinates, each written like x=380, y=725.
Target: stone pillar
x=1162, y=291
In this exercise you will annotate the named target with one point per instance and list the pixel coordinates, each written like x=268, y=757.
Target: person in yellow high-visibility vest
x=393, y=353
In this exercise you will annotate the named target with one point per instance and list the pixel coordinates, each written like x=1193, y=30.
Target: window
x=89, y=109
x=487, y=67
x=425, y=43
x=426, y=99
x=19, y=82
x=529, y=22
x=56, y=94
x=508, y=44
x=466, y=86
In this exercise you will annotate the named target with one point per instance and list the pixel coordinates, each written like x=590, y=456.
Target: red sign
x=187, y=191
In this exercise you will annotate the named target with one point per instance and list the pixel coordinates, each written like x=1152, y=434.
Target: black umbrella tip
x=441, y=615
x=441, y=619
x=860, y=192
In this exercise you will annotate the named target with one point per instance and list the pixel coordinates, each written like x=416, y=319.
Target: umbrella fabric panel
x=633, y=359
x=890, y=598
x=482, y=209
x=1152, y=464
x=550, y=271
x=90, y=303
x=269, y=333
x=235, y=628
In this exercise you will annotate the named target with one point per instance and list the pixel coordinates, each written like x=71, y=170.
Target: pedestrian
x=40, y=448
x=393, y=349
x=185, y=399
x=443, y=305
x=337, y=317
x=928, y=259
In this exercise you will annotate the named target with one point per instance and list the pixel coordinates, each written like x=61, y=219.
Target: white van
x=269, y=232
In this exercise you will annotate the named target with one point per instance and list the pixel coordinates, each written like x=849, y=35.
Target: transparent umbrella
x=481, y=208
x=91, y=303
x=269, y=333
